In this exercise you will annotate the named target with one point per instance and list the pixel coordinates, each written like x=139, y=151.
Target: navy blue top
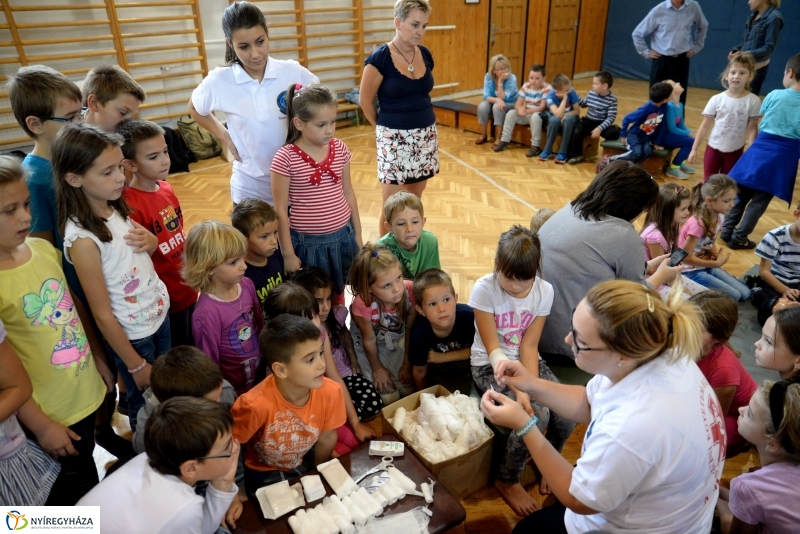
x=405, y=104
x=424, y=339
x=761, y=36
x=647, y=120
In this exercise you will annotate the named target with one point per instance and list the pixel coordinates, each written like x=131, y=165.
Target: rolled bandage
x=295, y=525
x=399, y=419
x=367, y=499
x=359, y=517
x=497, y=356
x=427, y=491
x=339, y=513
x=340, y=508
x=338, y=479
x=401, y=479
x=322, y=526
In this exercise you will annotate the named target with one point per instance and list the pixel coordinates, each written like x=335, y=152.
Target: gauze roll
x=496, y=356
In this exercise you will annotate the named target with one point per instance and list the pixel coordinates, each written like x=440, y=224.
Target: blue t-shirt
x=553, y=100
x=509, y=88
x=781, y=111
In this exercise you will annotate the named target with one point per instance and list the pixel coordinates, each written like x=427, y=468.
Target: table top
x=447, y=511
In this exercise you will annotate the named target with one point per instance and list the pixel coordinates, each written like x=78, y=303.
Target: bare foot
x=517, y=498
x=544, y=489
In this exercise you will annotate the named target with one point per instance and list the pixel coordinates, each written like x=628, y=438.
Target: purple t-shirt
x=767, y=498
x=340, y=357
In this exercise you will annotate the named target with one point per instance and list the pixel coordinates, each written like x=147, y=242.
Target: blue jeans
x=149, y=348
x=639, y=148
x=333, y=253
x=716, y=278
x=555, y=124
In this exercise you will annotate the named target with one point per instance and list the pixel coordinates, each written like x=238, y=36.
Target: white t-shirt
x=731, y=116
x=512, y=316
x=254, y=117
x=137, y=498
x=139, y=299
x=653, y=453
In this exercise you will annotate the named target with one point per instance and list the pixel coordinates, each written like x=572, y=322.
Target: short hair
x=292, y=298
x=208, y=244
x=494, y=60
x=282, y=334
x=134, y=131
x=184, y=371
x=10, y=170
x=251, y=213
x=605, y=77
x=622, y=190
x=536, y=67
x=34, y=91
x=794, y=65
x=107, y=82
x=560, y=81
x=430, y=278
x=660, y=91
x=519, y=254
x=540, y=217
x=400, y=201
x=183, y=429
x=403, y=8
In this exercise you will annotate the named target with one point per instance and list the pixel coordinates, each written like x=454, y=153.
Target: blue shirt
x=761, y=36
x=781, y=111
x=646, y=120
x=553, y=100
x=672, y=31
x=674, y=119
x=509, y=88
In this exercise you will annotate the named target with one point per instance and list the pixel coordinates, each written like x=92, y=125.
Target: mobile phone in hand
x=678, y=256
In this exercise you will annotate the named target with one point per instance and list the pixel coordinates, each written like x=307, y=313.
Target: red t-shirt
x=160, y=212
x=722, y=369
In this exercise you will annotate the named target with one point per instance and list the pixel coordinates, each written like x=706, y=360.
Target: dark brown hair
x=519, y=254
x=430, y=278
x=720, y=314
x=107, y=82
x=560, y=81
x=292, y=298
x=184, y=371
x=34, y=92
x=794, y=65
x=302, y=102
x=133, y=132
x=787, y=328
x=282, y=334
x=251, y=213
x=660, y=91
x=622, y=190
x=313, y=279
x=670, y=196
x=240, y=16
x=605, y=77
x=538, y=68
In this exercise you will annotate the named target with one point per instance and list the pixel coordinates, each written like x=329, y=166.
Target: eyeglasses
x=225, y=455
x=71, y=120
x=575, y=348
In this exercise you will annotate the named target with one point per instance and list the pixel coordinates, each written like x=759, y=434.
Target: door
x=507, y=33
x=561, y=37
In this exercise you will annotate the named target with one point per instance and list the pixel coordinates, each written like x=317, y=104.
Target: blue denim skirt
x=333, y=253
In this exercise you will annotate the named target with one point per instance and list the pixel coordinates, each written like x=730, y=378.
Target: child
x=720, y=363
x=156, y=207
x=228, y=318
x=734, y=115
x=540, y=217
x=110, y=95
x=289, y=420
x=779, y=346
x=764, y=500
x=309, y=173
x=44, y=329
x=441, y=339
x=258, y=222
x=599, y=121
x=773, y=154
x=187, y=440
x=563, y=103
x=511, y=306
x=416, y=248
x=711, y=202
x=642, y=127
x=499, y=95
x=677, y=135
x=530, y=109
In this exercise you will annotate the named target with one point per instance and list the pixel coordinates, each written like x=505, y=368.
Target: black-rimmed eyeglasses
x=575, y=347
x=67, y=120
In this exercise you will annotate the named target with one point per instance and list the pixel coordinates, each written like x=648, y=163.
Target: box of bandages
x=447, y=433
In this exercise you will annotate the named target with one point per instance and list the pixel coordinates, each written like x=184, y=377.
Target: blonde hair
x=10, y=170
x=714, y=187
x=371, y=260
x=739, y=58
x=499, y=58
x=207, y=245
x=788, y=432
x=400, y=201
x=541, y=217
x=403, y=8
x=635, y=323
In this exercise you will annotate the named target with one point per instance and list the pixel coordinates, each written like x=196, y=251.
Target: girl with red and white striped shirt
x=312, y=189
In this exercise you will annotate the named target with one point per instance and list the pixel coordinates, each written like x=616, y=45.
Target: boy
x=187, y=440
x=599, y=121
x=417, y=249
x=110, y=95
x=643, y=127
x=529, y=109
x=156, y=207
x=258, y=222
x=563, y=103
x=440, y=342
x=289, y=420
x=540, y=217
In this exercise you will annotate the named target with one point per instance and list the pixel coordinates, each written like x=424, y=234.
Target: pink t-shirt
x=722, y=368
x=694, y=227
x=651, y=235
x=382, y=318
x=768, y=498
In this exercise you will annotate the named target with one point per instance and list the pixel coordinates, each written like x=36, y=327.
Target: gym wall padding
x=726, y=19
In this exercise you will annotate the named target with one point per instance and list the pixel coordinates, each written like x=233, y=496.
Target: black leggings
x=549, y=520
x=78, y=473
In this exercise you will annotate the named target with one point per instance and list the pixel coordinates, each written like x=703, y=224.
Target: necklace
x=410, y=63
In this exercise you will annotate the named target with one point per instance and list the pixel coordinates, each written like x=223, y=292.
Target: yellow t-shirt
x=43, y=327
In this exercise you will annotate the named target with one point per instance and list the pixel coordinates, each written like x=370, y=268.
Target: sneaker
x=502, y=145
x=742, y=245
x=676, y=173
x=753, y=281
x=533, y=152
x=561, y=159
x=576, y=160
x=122, y=405
x=603, y=164
x=544, y=156
x=687, y=169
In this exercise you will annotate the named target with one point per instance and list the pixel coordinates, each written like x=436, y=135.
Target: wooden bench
x=657, y=164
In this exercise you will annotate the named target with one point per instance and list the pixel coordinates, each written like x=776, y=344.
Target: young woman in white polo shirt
x=251, y=91
x=653, y=454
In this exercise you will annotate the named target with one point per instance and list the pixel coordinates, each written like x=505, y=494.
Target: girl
x=383, y=312
x=228, y=319
x=779, y=346
x=764, y=500
x=677, y=134
x=131, y=306
x=294, y=299
x=311, y=172
x=720, y=363
x=511, y=306
x=731, y=116
x=499, y=96
x=711, y=202
x=251, y=90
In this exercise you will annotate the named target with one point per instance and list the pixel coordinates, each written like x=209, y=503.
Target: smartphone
x=678, y=256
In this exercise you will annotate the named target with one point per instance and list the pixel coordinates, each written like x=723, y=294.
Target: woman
x=592, y=240
x=399, y=74
x=654, y=450
x=251, y=91
x=499, y=96
x=760, y=37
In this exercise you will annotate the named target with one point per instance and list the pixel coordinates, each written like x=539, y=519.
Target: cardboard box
x=462, y=475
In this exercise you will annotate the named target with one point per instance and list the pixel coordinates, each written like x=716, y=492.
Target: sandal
x=481, y=140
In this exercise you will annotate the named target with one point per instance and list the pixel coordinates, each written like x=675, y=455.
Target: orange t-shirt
x=278, y=434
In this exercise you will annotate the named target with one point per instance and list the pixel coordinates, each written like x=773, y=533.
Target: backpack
x=200, y=141
x=179, y=154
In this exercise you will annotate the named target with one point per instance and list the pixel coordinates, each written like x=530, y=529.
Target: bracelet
x=532, y=422
x=134, y=371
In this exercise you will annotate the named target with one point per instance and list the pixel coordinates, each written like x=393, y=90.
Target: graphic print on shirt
x=53, y=306
x=130, y=282
x=651, y=123
x=518, y=323
x=170, y=217
x=448, y=347
x=286, y=440
x=714, y=421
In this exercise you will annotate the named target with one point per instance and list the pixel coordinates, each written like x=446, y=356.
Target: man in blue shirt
x=677, y=31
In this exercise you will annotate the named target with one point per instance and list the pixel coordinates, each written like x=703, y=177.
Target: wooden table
x=448, y=514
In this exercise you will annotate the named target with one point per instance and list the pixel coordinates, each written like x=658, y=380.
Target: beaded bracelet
x=134, y=371
x=532, y=422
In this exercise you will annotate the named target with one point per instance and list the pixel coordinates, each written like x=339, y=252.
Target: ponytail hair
x=720, y=313
x=635, y=323
x=371, y=260
x=787, y=411
x=662, y=214
x=240, y=16
x=714, y=187
x=302, y=102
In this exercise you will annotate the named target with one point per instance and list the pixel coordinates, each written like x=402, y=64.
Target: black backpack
x=179, y=154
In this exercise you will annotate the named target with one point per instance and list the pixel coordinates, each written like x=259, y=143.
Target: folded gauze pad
x=279, y=499
x=312, y=487
x=338, y=479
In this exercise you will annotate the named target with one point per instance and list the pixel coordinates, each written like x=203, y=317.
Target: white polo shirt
x=255, y=121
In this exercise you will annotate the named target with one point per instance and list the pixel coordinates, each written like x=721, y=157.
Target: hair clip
x=680, y=188
x=650, y=306
x=777, y=395
x=298, y=86
x=374, y=253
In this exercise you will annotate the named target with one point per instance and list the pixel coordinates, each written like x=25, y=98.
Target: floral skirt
x=407, y=156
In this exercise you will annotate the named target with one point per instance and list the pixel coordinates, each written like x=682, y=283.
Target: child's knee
x=389, y=398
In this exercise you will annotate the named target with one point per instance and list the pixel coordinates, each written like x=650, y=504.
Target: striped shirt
x=778, y=247
x=601, y=108
x=316, y=197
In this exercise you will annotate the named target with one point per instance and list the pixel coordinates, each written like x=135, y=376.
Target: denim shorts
x=333, y=253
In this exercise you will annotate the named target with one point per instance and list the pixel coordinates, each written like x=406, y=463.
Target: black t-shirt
x=266, y=278
x=423, y=339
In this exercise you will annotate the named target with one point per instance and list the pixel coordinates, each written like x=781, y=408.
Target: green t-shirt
x=425, y=256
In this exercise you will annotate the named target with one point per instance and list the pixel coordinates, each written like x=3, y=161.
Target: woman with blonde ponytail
x=653, y=453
